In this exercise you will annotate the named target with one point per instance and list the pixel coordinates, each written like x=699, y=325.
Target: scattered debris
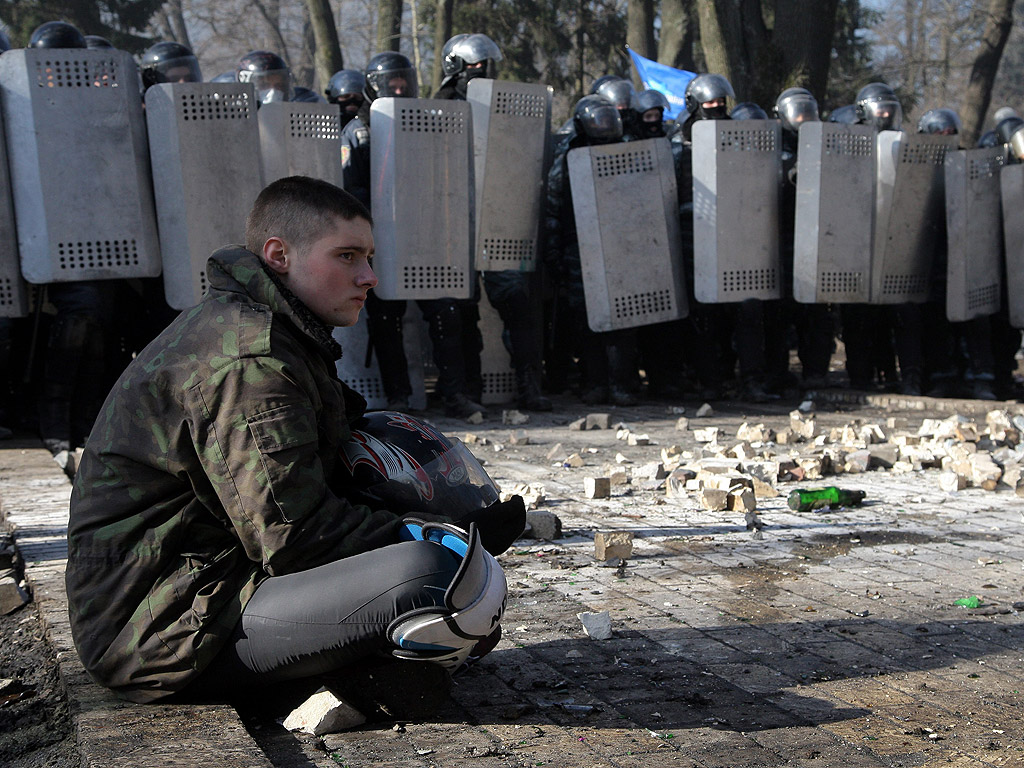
x=610, y=545
x=321, y=713
x=514, y=418
x=597, y=625
x=597, y=487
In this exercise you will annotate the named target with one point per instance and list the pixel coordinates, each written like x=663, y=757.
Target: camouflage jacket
x=209, y=469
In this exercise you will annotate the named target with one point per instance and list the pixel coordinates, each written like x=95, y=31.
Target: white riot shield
x=300, y=139
x=13, y=291
x=974, y=230
x=627, y=222
x=204, y=145
x=421, y=161
x=511, y=128
x=737, y=165
x=79, y=163
x=495, y=361
x=910, y=213
x=1011, y=182
x=358, y=367
x=835, y=213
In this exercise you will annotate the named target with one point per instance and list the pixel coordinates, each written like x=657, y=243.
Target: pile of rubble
x=730, y=472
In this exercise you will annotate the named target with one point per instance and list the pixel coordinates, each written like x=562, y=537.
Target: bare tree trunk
x=270, y=12
x=803, y=37
x=176, y=19
x=722, y=37
x=983, y=74
x=327, y=58
x=442, y=33
x=640, y=27
x=389, y=25
x=678, y=28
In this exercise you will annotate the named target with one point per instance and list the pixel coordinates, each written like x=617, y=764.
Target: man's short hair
x=300, y=210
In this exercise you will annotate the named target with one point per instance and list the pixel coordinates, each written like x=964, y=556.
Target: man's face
x=713, y=104
x=398, y=86
x=332, y=275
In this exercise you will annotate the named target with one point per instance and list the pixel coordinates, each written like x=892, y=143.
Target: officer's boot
x=68, y=343
x=529, y=395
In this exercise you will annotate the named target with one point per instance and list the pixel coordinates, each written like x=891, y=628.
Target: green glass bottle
x=803, y=500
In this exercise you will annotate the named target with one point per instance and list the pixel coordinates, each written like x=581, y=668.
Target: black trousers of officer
x=455, y=337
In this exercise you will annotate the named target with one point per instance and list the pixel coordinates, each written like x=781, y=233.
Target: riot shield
x=204, y=143
x=495, y=360
x=835, y=213
x=421, y=161
x=13, y=291
x=300, y=139
x=737, y=165
x=510, y=147
x=79, y=165
x=358, y=365
x=1011, y=182
x=627, y=221
x=909, y=214
x=974, y=232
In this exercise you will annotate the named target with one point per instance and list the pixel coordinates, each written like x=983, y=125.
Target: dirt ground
x=35, y=723
x=816, y=640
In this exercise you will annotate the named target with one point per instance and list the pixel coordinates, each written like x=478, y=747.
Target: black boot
x=529, y=395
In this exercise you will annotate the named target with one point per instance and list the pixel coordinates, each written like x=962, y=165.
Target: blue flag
x=670, y=81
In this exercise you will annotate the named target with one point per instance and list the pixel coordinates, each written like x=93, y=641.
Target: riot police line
x=168, y=184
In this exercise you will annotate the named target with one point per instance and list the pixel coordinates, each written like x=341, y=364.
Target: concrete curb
x=111, y=733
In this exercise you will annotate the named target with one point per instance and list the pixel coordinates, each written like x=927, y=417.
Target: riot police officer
x=454, y=336
x=75, y=378
x=345, y=89
x=724, y=334
x=465, y=57
x=608, y=364
x=169, y=62
x=812, y=322
x=272, y=78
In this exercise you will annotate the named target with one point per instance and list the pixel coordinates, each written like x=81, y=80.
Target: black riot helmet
x=988, y=140
x=1011, y=131
x=56, y=34
x=391, y=74
x=648, y=108
x=225, y=77
x=794, y=107
x=345, y=84
x=748, y=110
x=470, y=56
x=597, y=120
x=96, y=43
x=1002, y=113
x=708, y=89
x=942, y=121
x=878, y=106
x=619, y=93
x=601, y=81
x=169, y=62
x=403, y=464
x=269, y=73
x=846, y=115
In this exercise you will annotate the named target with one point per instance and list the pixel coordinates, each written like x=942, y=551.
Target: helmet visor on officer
x=346, y=89
x=939, y=122
x=706, y=97
x=793, y=111
x=598, y=119
x=269, y=74
x=184, y=69
x=617, y=92
x=480, y=55
x=398, y=83
x=883, y=113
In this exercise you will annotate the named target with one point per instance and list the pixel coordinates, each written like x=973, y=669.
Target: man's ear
x=277, y=255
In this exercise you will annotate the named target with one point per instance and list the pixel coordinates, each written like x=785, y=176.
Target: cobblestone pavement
x=825, y=639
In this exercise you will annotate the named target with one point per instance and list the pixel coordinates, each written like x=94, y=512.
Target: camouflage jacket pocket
x=286, y=438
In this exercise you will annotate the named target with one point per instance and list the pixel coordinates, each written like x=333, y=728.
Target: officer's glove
x=474, y=601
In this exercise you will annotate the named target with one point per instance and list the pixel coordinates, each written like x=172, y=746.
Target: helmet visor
x=602, y=122
x=271, y=84
x=395, y=83
x=796, y=111
x=884, y=114
x=184, y=69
